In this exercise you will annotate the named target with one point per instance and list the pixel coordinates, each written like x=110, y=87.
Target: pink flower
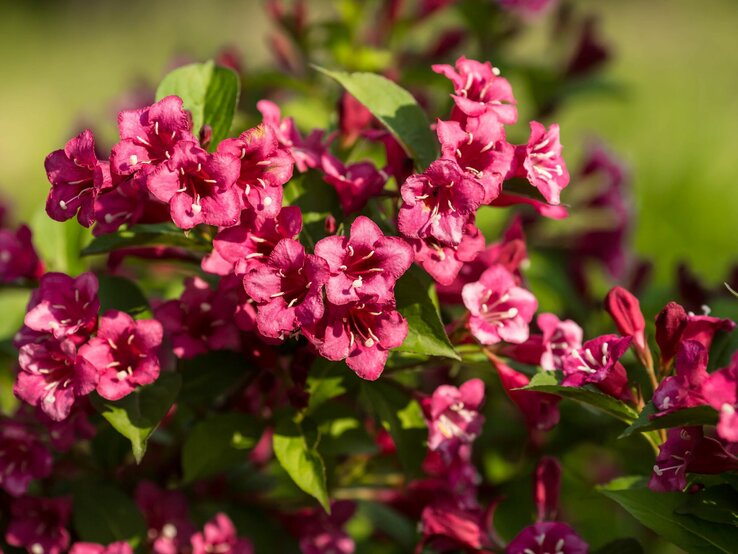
x=721, y=391
x=500, y=310
x=39, y=524
x=64, y=305
x=625, y=311
x=305, y=152
x=219, y=535
x=547, y=537
x=124, y=203
x=53, y=376
x=288, y=287
x=120, y=547
x=546, y=210
x=76, y=177
x=18, y=258
x=75, y=428
x=480, y=149
x=443, y=262
x=265, y=167
x=200, y=321
x=547, y=487
x=353, y=119
x=166, y=514
x=543, y=164
x=149, y=135
x=364, y=263
x=439, y=203
x=22, y=457
x=253, y=239
x=453, y=415
x=597, y=363
x=685, y=389
x=560, y=338
x=320, y=533
x=449, y=527
x=355, y=184
x=478, y=88
x=124, y=353
x=198, y=186
x=362, y=333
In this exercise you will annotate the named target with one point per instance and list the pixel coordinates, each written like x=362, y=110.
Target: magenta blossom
x=597, y=362
x=543, y=164
x=480, y=149
x=560, y=338
x=265, y=167
x=449, y=527
x=198, y=186
x=547, y=537
x=149, y=135
x=355, y=184
x=167, y=518
x=453, y=415
x=500, y=310
x=200, y=321
x=22, y=457
x=362, y=333
x=685, y=388
x=53, y=376
x=288, y=286
x=443, y=262
x=478, y=88
x=721, y=391
x=120, y=547
x=219, y=535
x=439, y=203
x=124, y=352
x=125, y=203
x=75, y=428
x=64, y=305
x=364, y=263
x=76, y=177
x=307, y=152
x=320, y=533
x=39, y=524
x=18, y=257
x=625, y=311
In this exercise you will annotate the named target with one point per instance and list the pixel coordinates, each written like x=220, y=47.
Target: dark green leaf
x=119, y=293
x=207, y=377
x=317, y=200
x=657, y=511
x=724, y=345
x=390, y=522
x=415, y=301
x=157, y=234
x=59, y=244
x=621, y=546
x=297, y=453
x=396, y=109
x=346, y=436
x=138, y=415
x=546, y=382
x=325, y=381
x=103, y=514
x=217, y=444
x=699, y=415
x=210, y=92
x=718, y=504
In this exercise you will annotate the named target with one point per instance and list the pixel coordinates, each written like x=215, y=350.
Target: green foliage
x=153, y=234
x=699, y=415
x=206, y=378
x=59, y=244
x=119, y=293
x=103, y=514
x=317, y=200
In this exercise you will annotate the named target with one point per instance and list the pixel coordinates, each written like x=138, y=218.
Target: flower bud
x=670, y=323
x=546, y=488
x=625, y=311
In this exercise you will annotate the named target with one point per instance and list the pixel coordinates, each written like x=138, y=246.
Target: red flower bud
x=625, y=311
x=670, y=323
x=546, y=488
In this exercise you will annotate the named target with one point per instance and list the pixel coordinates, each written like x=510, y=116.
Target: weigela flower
x=124, y=203
x=721, y=391
x=353, y=119
x=219, y=535
x=76, y=427
x=543, y=164
x=500, y=310
x=547, y=537
x=307, y=152
x=76, y=177
x=288, y=287
x=64, y=305
x=198, y=186
x=149, y=135
x=596, y=362
x=265, y=167
x=439, y=203
x=448, y=527
x=120, y=547
x=543, y=208
x=18, y=258
x=480, y=149
x=443, y=262
x=201, y=320
x=455, y=474
x=685, y=388
x=547, y=487
x=53, y=376
x=362, y=333
x=167, y=518
x=124, y=352
x=453, y=415
x=253, y=239
x=23, y=457
x=355, y=184
x=364, y=263
x=478, y=88
x=560, y=338
x=625, y=311
x=39, y=524
x=318, y=532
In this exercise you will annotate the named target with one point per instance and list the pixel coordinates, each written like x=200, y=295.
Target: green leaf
x=657, y=511
x=297, y=453
x=718, y=504
x=207, y=377
x=395, y=108
x=723, y=346
x=699, y=415
x=325, y=381
x=217, y=444
x=403, y=418
x=621, y=546
x=316, y=200
x=103, y=514
x=210, y=92
x=59, y=244
x=119, y=293
x=546, y=382
x=391, y=522
x=137, y=415
x=426, y=335
x=157, y=234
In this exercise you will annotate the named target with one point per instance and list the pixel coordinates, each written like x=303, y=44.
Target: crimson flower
x=560, y=338
x=219, y=535
x=166, y=514
x=444, y=262
x=453, y=415
x=120, y=547
x=685, y=388
x=547, y=537
x=23, y=457
x=721, y=391
x=355, y=184
x=307, y=152
x=597, y=362
x=18, y=257
x=39, y=524
x=543, y=164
